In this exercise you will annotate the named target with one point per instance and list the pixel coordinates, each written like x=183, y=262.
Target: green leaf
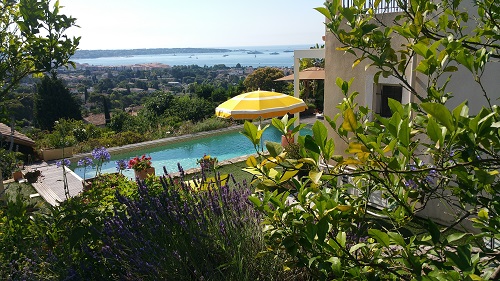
x=396, y=106
x=455, y=236
x=320, y=134
x=329, y=149
x=350, y=123
x=462, y=258
x=323, y=228
x=356, y=247
x=379, y=236
x=483, y=214
x=367, y=28
x=341, y=238
x=324, y=11
x=274, y=148
x=311, y=260
x=462, y=110
x=421, y=49
x=339, y=81
x=396, y=237
x=278, y=124
x=433, y=130
x=348, y=14
x=404, y=133
x=255, y=200
x=298, y=128
x=434, y=231
x=450, y=69
x=315, y=176
x=441, y=113
x=336, y=265
x=310, y=144
x=250, y=131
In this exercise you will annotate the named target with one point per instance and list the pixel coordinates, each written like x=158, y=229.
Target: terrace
x=390, y=6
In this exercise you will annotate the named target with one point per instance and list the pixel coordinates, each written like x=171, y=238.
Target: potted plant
x=284, y=125
x=58, y=144
x=142, y=166
x=17, y=174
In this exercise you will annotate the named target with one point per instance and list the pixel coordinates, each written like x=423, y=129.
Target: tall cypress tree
x=107, y=115
x=53, y=101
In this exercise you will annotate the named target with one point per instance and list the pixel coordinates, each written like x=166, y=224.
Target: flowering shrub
x=157, y=230
x=140, y=163
x=100, y=155
x=121, y=165
x=85, y=162
x=180, y=235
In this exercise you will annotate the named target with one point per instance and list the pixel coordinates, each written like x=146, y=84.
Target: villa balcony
x=384, y=6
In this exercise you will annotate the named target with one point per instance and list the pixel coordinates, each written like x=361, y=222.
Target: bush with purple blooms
x=153, y=230
x=100, y=155
x=183, y=235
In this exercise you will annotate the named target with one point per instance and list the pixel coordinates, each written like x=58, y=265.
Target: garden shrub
x=153, y=230
x=183, y=235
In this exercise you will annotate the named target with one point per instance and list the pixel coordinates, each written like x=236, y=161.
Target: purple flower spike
x=121, y=165
x=64, y=162
x=101, y=154
x=87, y=161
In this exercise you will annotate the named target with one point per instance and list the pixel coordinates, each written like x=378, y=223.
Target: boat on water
x=225, y=55
x=254, y=53
x=287, y=51
x=274, y=53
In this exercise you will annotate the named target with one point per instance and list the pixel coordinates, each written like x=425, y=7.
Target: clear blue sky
x=129, y=24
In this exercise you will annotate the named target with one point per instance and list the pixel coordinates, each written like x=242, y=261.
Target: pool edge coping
x=159, y=142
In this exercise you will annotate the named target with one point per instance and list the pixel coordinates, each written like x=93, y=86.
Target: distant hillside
x=92, y=54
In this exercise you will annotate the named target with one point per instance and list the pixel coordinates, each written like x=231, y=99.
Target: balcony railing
x=384, y=6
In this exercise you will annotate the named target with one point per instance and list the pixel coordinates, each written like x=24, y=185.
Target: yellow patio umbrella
x=260, y=104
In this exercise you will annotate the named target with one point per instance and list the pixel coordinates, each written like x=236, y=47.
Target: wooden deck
x=50, y=184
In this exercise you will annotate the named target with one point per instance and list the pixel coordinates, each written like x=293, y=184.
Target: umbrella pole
x=261, y=140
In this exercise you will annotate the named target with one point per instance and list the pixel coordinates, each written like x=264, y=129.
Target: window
x=384, y=93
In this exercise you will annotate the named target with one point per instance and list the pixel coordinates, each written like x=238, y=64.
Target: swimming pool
x=224, y=146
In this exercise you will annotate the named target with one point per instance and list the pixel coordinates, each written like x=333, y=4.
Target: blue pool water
x=223, y=146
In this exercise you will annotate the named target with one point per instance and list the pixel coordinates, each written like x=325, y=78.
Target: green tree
x=321, y=224
x=159, y=103
x=118, y=120
x=53, y=102
x=263, y=78
x=33, y=40
x=191, y=108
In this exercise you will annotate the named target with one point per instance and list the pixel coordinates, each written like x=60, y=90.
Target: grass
x=236, y=170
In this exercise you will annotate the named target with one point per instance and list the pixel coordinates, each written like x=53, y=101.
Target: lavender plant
x=184, y=235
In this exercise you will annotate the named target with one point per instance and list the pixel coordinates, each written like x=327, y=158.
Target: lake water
x=279, y=56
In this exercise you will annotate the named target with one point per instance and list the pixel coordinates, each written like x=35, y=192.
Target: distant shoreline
x=256, y=56
x=93, y=54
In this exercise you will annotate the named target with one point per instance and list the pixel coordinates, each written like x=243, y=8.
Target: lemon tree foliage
x=33, y=40
x=425, y=154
